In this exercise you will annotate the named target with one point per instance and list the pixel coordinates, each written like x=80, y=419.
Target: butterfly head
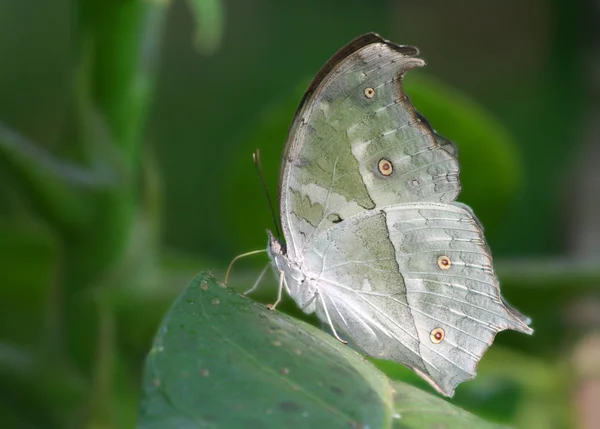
x=276, y=251
x=275, y=247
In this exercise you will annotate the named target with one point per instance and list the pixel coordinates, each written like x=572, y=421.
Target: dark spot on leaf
x=276, y=343
x=366, y=396
x=209, y=417
x=204, y=372
x=289, y=406
x=156, y=382
x=338, y=369
x=215, y=301
x=203, y=286
x=336, y=390
x=254, y=424
x=355, y=425
x=284, y=371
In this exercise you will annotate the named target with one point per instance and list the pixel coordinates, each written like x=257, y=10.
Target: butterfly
x=375, y=243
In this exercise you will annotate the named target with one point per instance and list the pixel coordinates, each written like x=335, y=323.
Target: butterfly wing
x=414, y=283
x=353, y=122
x=367, y=191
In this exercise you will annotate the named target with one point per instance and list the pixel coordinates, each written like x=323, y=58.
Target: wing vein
x=360, y=295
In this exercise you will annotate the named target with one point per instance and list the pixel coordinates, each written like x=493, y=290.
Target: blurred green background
x=126, y=133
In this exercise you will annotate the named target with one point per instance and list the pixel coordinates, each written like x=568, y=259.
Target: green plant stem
x=208, y=33
x=117, y=56
x=102, y=383
x=550, y=273
x=58, y=188
x=125, y=37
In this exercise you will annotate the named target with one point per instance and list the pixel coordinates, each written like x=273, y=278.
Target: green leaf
x=59, y=190
x=30, y=253
x=221, y=360
x=268, y=134
x=417, y=409
x=490, y=167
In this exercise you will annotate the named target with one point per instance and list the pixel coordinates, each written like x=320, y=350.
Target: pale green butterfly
x=375, y=243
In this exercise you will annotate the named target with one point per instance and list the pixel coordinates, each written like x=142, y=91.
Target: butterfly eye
x=444, y=262
x=369, y=92
x=385, y=167
x=437, y=335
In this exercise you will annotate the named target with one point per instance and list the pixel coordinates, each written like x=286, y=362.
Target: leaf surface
x=220, y=360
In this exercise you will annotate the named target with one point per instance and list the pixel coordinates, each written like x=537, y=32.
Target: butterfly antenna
x=261, y=178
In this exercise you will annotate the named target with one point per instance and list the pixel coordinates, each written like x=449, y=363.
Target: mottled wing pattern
x=354, y=115
x=393, y=279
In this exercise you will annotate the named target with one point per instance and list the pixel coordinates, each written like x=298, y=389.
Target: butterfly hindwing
x=393, y=278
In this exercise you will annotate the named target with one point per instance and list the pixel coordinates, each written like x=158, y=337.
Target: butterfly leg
x=243, y=255
x=279, y=292
x=310, y=301
x=335, y=334
x=262, y=273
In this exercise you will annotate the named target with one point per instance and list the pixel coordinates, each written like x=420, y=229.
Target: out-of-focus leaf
x=208, y=16
x=57, y=188
x=14, y=419
x=29, y=254
x=417, y=409
x=490, y=168
x=268, y=135
x=526, y=389
x=506, y=384
x=28, y=377
x=222, y=360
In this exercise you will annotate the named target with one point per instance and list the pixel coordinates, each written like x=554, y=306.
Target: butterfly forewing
x=353, y=119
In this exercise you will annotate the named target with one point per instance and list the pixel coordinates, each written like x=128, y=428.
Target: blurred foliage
x=208, y=16
x=94, y=250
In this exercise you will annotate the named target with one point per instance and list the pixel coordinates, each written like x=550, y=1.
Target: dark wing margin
x=343, y=53
x=446, y=144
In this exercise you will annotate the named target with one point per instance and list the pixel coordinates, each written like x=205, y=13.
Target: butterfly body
x=375, y=243
x=299, y=284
